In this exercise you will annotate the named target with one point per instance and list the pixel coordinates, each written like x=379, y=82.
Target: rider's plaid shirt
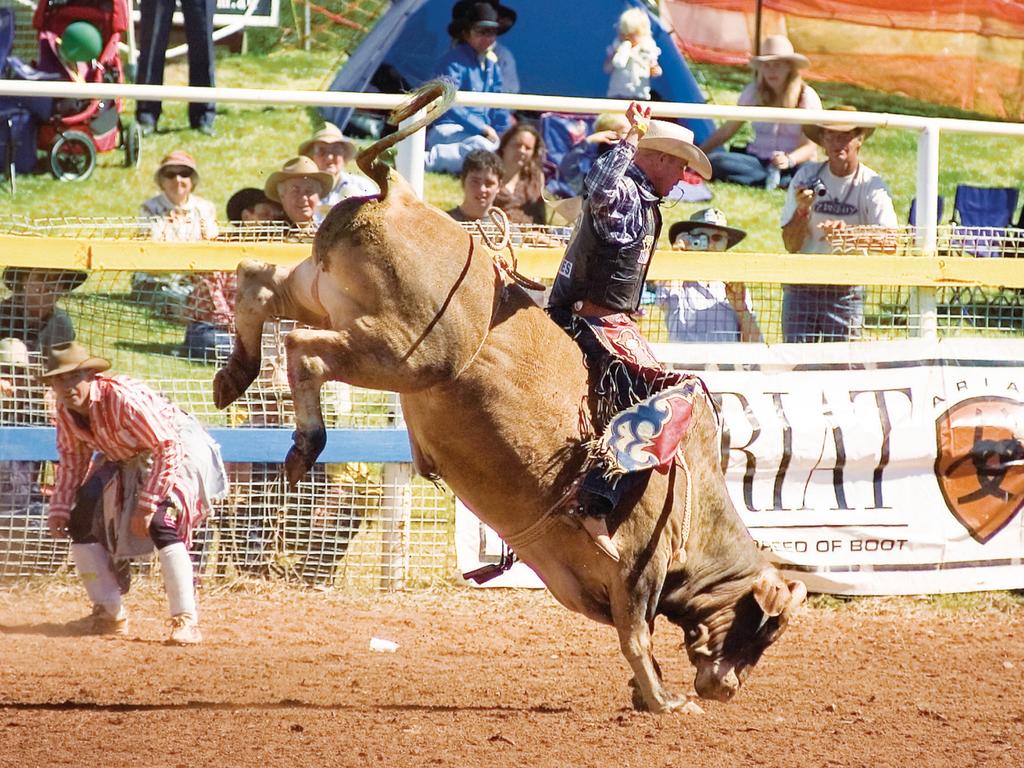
x=615, y=188
x=126, y=418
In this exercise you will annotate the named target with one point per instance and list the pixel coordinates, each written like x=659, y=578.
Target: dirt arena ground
x=495, y=678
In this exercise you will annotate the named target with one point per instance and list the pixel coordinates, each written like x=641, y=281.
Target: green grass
x=254, y=141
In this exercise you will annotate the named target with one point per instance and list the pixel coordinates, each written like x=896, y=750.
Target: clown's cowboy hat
x=71, y=356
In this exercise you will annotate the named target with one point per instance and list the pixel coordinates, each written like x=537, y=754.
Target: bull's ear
x=771, y=591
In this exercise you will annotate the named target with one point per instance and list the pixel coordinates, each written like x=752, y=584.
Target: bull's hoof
x=670, y=702
x=232, y=380
x=303, y=455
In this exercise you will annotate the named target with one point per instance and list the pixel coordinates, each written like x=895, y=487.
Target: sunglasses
x=338, y=149
x=174, y=173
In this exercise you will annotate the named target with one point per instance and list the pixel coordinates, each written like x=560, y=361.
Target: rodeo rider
x=601, y=277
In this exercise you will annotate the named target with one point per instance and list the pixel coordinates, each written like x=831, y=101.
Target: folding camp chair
x=982, y=219
x=940, y=205
x=981, y=216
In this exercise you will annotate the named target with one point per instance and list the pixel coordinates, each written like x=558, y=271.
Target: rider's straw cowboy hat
x=778, y=48
x=297, y=168
x=330, y=134
x=815, y=132
x=71, y=356
x=673, y=139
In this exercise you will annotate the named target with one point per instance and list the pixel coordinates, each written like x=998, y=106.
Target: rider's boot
x=597, y=527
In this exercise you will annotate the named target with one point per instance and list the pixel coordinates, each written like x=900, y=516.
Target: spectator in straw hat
x=178, y=214
x=600, y=280
x=30, y=314
x=823, y=200
x=332, y=150
x=166, y=468
x=471, y=65
x=299, y=187
x=707, y=312
x=778, y=149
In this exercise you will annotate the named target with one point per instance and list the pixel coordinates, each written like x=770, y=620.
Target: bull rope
x=510, y=267
x=544, y=523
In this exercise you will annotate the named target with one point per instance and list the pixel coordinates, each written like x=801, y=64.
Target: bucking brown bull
x=495, y=395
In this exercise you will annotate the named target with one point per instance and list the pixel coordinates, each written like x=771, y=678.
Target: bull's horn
x=441, y=92
x=771, y=592
x=798, y=592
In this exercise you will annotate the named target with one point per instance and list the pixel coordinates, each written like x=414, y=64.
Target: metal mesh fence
x=351, y=523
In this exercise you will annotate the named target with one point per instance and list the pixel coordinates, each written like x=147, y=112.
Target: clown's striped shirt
x=126, y=418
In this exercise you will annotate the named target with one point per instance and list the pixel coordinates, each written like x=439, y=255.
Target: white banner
x=872, y=467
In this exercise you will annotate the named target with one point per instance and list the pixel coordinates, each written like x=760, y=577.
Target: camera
x=818, y=186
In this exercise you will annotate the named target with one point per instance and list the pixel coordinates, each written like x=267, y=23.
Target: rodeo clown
x=135, y=473
x=642, y=410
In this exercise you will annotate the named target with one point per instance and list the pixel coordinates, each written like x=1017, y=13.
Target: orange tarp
x=966, y=53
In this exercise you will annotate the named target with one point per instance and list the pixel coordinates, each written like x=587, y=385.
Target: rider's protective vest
x=608, y=274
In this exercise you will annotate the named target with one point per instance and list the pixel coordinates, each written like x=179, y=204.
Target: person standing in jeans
x=155, y=29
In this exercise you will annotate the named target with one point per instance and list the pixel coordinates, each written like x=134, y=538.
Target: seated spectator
x=520, y=195
x=331, y=150
x=471, y=65
x=707, y=311
x=506, y=20
x=609, y=128
x=823, y=199
x=251, y=205
x=211, y=315
x=30, y=314
x=632, y=59
x=481, y=179
x=20, y=492
x=778, y=149
x=176, y=214
x=299, y=187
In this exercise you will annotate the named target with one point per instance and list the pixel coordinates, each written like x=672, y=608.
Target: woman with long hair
x=522, y=154
x=778, y=149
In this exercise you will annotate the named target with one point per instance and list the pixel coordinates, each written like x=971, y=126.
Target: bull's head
x=726, y=636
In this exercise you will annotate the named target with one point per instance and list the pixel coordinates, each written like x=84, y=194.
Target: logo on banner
x=980, y=464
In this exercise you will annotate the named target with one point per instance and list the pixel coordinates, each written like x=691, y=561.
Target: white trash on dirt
x=383, y=646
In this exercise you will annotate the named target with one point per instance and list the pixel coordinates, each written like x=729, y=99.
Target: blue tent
x=559, y=47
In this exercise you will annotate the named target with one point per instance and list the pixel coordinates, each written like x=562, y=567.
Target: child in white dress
x=633, y=58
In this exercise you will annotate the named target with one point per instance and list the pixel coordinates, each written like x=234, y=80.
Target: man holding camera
x=824, y=199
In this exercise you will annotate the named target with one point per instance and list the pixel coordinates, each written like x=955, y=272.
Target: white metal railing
x=411, y=151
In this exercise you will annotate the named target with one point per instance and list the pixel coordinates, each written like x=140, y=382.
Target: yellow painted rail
x=876, y=269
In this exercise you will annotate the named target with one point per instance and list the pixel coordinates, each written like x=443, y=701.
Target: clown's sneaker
x=184, y=630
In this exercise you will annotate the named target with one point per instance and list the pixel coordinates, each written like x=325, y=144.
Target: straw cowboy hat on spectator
x=778, y=48
x=814, y=132
x=673, y=139
x=330, y=134
x=707, y=218
x=297, y=168
x=178, y=160
x=71, y=356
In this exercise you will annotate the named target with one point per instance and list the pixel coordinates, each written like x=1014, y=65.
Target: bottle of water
x=771, y=181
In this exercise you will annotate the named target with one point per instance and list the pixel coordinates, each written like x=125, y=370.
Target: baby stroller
x=78, y=129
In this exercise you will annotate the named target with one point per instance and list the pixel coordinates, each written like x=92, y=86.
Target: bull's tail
x=439, y=94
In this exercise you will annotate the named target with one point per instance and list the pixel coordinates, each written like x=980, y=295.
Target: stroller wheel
x=131, y=141
x=72, y=157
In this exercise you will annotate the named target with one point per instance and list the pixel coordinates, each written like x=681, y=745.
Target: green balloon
x=81, y=42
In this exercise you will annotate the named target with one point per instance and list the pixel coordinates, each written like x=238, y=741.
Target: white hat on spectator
x=330, y=134
x=297, y=168
x=779, y=48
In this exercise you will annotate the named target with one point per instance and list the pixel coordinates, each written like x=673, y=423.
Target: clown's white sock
x=96, y=570
x=176, y=566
